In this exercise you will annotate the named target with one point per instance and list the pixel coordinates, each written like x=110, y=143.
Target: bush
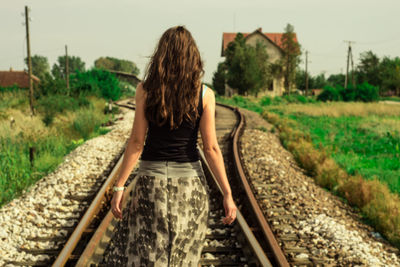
x=265, y=101
x=10, y=88
x=290, y=98
x=48, y=86
x=50, y=105
x=329, y=94
x=127, y=89
x=301, y=99
x=349, y=94
x=96, y=82
x=86, y=122
x=278, y=100
x=48, y=117
x=367, y=92
x=57, y=103
x=362, y=92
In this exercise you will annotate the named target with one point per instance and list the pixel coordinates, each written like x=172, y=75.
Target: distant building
x=273, y=44
x=16, y=77
x=316, y=91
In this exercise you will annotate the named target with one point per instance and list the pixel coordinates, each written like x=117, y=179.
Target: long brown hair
x=173, y=79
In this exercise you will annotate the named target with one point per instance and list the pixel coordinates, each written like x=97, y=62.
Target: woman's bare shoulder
x=209, y=96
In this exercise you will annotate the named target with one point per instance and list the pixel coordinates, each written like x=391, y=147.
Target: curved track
x=248, y=241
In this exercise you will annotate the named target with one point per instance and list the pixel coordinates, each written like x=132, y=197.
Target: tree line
x=95, y=80
x=383, y=73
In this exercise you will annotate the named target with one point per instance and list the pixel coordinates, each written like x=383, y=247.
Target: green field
x=358, y=144
x=362, y=138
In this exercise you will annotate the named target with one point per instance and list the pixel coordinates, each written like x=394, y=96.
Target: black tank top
x=178, y=145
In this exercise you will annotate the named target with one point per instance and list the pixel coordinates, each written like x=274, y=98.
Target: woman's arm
x=213, y=154
x=136, y=140
x=132, y=151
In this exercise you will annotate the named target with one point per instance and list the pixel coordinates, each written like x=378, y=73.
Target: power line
x=380, y=42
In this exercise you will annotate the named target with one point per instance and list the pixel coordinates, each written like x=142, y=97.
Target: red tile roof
x=228, y=37
x=20, y=78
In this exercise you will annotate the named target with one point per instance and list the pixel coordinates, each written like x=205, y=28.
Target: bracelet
x=116, y=188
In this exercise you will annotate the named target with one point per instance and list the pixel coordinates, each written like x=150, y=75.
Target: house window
x=271, y=86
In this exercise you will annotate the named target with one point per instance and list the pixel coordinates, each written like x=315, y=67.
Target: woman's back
x=178, y=145
x=169, y=206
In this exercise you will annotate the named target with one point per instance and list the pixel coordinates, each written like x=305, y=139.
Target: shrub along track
x=35, y=226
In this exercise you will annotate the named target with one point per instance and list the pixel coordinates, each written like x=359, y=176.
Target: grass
x=70, y=127
x=391, y=98
x=358, y=145
x=337, y=109
x=351, y=149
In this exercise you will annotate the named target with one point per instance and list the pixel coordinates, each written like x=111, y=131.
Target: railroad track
x=88, y=204
x=247, y=242
x=234, y=245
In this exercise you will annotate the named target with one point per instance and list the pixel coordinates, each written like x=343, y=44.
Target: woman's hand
x=116, y=204
x=230, y=209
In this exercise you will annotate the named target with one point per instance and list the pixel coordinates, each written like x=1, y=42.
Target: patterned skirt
x=168, y=214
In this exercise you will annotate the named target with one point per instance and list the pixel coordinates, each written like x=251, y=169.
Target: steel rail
x=89, y=255
x=87, y=218
x=252, y=240
x=266, y=229
x=93, y=244
x=93, y=249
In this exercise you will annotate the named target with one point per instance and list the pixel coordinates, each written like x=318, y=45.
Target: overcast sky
x=130, y=29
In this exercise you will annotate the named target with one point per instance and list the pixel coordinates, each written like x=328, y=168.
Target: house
x=273, y=44
x=19, y=78
x=316, y=92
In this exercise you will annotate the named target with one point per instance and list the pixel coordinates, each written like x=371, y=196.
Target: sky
x=130, y=29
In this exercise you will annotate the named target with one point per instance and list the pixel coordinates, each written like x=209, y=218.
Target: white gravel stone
x=44, y=201
x=350, y=242
x=332, y=231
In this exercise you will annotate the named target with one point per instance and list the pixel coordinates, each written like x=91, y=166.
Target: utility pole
x=347, y=65
x=306, y=73
x=28, y=46
x=352, y=69
x=66, y=68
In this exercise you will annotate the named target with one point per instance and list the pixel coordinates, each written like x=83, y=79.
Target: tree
x=241, y=63
x=110, y=63
x=319, y=81
x=247, y=66
x=291, y=56
x=219, y=78
x=368, y=69
x=336, y=79
x=301, y=80
x=40, y=66
x=316, y=82
x=74, y=64
x=264, y=67
x=390, y=75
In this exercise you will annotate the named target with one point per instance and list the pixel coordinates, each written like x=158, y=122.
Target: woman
x=170, y=205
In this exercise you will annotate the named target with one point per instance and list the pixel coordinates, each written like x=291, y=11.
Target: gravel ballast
x=328, y=228
x=45, y=207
